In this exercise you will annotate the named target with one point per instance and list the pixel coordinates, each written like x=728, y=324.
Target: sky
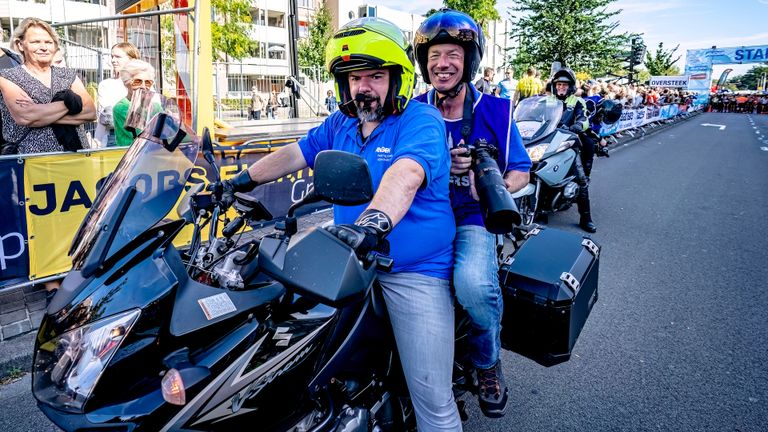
x=694, y=24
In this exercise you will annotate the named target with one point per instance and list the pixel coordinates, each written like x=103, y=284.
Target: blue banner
x=14, y=260
x=730, y=55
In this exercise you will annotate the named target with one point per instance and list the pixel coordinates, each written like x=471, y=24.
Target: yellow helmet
x=371, y=43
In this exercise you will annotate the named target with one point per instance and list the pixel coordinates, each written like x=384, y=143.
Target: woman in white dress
x=111, y=91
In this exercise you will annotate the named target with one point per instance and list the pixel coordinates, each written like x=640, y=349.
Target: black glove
x=242, y=182
x=361, y=239
x=576, y=128
x=72, y=101
x=367, y=234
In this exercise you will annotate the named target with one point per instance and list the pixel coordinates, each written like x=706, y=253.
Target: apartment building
x=496, y=40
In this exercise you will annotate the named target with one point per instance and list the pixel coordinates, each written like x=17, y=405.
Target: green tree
x=661, y=61
x=311, y=50
x=750, y=79
x=577, y=33
x=229, y=31
x=482, y=11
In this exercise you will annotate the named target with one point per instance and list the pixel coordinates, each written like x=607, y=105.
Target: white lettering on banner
x=3, y=256
x=299, y=189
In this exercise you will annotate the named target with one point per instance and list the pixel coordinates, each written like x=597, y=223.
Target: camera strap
x=468, y=116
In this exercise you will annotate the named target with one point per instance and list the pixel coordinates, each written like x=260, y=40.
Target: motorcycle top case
x=549, y=287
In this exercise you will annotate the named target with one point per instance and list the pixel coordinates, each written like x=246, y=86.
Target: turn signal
x=173, y=388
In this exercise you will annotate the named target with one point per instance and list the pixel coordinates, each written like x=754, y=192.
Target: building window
x=367, y=11
x=258, y=17
x=276, y=52
x=276, y=19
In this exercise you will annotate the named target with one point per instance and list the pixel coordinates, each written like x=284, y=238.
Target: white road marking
x=722, y=127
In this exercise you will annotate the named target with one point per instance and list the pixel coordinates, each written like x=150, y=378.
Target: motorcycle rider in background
x=563, y=86
x=403, y=143
x=449, y=46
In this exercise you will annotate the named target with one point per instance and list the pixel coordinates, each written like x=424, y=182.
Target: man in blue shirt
x=449, y=46
x=508, y=85
x=403, y=142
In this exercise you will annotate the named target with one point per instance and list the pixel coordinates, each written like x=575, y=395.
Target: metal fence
x=85, y=47
x=236, y=82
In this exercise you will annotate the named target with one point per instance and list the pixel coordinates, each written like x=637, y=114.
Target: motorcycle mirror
x=208, y=153
x=342, y=178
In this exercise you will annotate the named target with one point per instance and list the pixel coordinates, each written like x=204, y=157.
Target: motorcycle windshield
x=538, y=116
x=140, y=192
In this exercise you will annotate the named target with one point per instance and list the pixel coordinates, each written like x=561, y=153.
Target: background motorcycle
x=284, y=332
x=554, y=153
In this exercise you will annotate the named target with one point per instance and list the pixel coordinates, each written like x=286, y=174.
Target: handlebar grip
x=233, y=227
x=382, y=262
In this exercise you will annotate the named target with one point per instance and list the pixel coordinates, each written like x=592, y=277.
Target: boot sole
x=494, y=412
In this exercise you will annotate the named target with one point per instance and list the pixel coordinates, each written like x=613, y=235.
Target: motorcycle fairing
x=255, y=381
x=556, y=168
x=368, y=345
x=188, y=311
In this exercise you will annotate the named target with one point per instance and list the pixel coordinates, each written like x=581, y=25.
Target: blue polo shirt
x=422, y=242
x=492, y=121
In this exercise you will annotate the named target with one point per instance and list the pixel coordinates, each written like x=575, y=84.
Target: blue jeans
x=421, y=312
x=476, y=281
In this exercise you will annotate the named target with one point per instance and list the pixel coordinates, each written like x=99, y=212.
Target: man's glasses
x=138, y=82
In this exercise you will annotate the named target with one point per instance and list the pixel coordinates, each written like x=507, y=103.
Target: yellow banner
x=60, y=189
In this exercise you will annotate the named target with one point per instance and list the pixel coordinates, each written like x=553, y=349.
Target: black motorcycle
x=287, y=332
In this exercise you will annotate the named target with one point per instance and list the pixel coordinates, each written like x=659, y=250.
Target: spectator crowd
x=630, y=95
x=751, y=103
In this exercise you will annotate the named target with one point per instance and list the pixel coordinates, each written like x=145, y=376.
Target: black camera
x=499, y=211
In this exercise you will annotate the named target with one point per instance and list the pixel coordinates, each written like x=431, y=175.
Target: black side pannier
x=549, y=287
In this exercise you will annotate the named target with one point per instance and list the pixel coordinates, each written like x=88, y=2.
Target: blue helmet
x=450, y=26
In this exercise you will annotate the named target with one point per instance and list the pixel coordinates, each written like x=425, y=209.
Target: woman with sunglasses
x=138, y=76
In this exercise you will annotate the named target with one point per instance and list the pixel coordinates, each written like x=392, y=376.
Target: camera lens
x=499, y=211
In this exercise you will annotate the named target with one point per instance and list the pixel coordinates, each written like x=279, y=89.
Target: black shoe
x=587, y=225
x=492, y=391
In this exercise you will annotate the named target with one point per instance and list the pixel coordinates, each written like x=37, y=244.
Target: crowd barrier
x=632, y=118
x=43, y=199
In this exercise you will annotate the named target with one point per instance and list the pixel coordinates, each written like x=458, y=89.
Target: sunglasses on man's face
x=139, y=82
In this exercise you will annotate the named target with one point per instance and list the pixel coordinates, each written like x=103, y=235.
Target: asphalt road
x=678, y=339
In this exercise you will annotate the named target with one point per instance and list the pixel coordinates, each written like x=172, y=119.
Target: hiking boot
x=492, y=391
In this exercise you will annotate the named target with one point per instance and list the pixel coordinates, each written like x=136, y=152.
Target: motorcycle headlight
x=536, y=152
x=68, y=366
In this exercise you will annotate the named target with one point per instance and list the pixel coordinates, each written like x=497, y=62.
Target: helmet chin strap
x=452, y=93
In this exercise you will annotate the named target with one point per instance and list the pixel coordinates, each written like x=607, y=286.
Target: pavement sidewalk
x=16, y=355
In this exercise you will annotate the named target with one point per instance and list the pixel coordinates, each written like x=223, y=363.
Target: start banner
x=44, y=198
